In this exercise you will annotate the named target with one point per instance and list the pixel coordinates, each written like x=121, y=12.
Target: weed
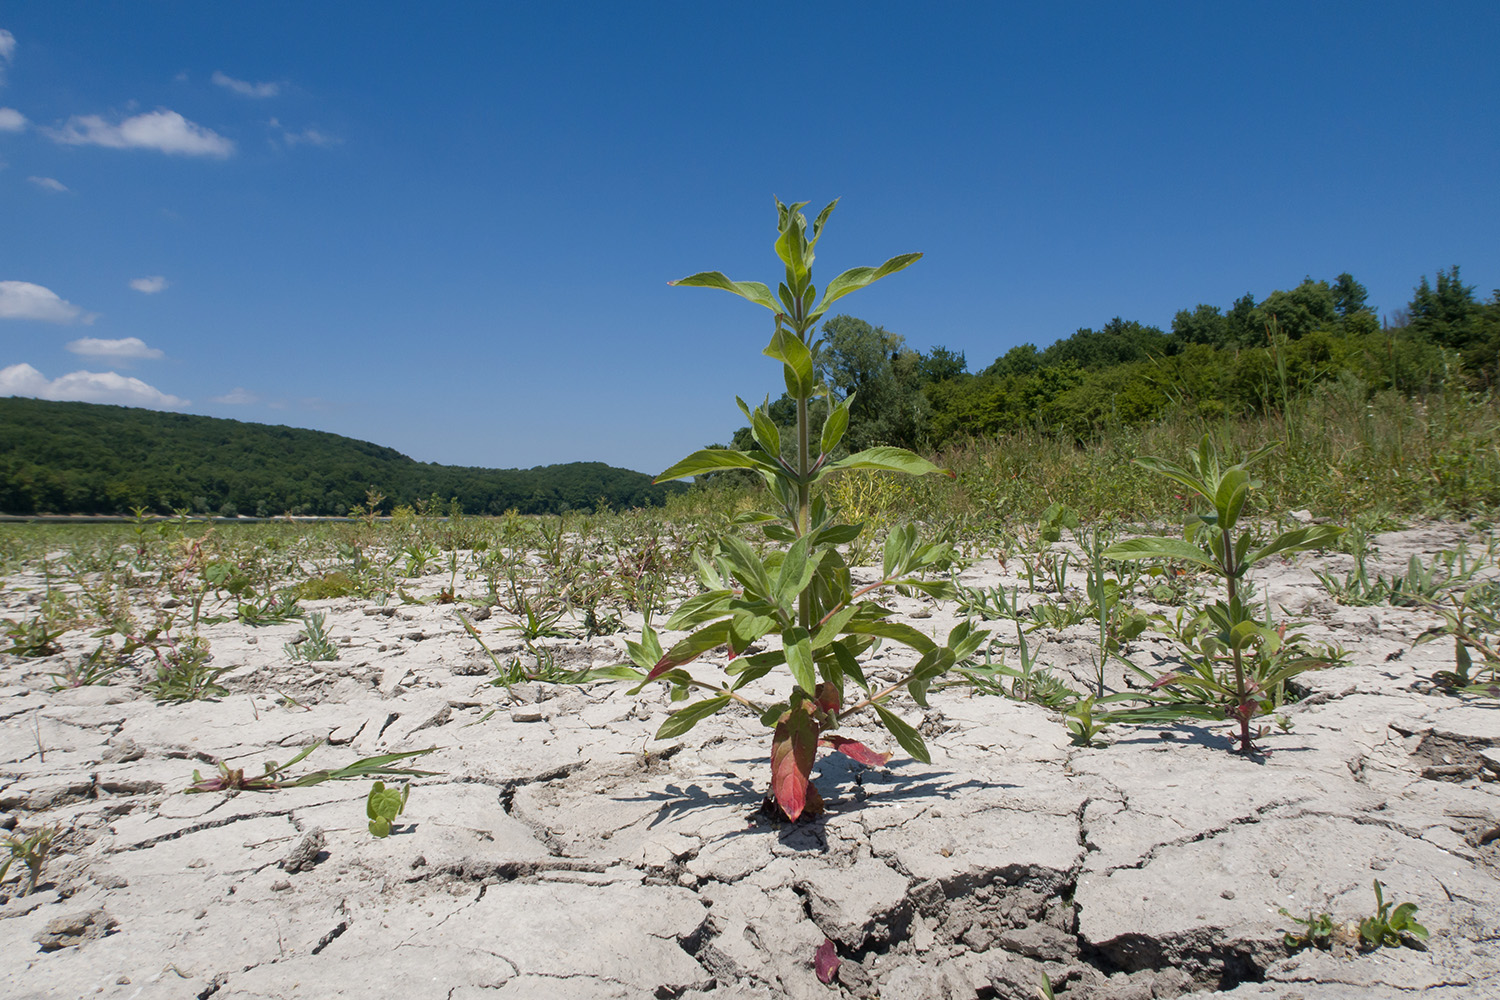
x=1317, y=930
x=1083, y=728
x=31, y=851
x=801, y=592
x=312, y=644
x=32, y=637
x=1236, y=641
x=320, y=588
x=383, y=806
x=102, y=663
x=1387, y=928
x=275, y=777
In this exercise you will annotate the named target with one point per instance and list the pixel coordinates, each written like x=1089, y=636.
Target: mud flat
x=562, y=852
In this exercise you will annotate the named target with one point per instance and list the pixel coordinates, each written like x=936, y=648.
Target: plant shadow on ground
x=840, y=780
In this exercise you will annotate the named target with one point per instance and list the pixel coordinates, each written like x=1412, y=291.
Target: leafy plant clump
x=1387, y=927
x=1235, y=662
x=800, y=591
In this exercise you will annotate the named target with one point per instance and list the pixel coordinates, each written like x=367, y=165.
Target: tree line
x=1214, y=362
x=87, y=458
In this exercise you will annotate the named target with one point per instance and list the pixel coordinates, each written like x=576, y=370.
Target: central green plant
x=800, y=591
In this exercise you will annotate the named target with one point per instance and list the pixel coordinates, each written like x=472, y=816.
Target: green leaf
x=856, y=278
x=904, y=634
x=899, y=543
x=684, y=719
x=909, y=738
x=1177, y=474
x=752, y=290
x=796, y=573
x=829, y=630
x=796, y=360
x=1234, y=488
x=689, y=649
x=799, y=658
x=1315, y=537
x=885, y=459
x=837, y=534
x=715, y=460
x=835, y=426
x=1159, y=548
x=697, y=610
x=850, y=664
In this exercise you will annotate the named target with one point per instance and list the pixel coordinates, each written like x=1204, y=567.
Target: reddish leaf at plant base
x=826, y=962
x=829, y=699
x=855, y=750
x=792, y=750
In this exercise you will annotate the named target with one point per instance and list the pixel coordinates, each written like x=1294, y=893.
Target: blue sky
x=448, y=228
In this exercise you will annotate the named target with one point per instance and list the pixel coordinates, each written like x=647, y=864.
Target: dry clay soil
x=564, y=853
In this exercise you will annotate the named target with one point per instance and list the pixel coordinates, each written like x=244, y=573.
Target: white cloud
x=128, y=348
x=244, y=87
x=310, y=137
x=48, y=183
x=162, y=130
x=7, y=49
x=85, y=387
x=236, y=397
x=23, y=300
x=11, y=120
x=150, y=285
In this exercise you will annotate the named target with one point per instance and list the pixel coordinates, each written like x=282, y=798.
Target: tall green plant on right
x=1236, y=662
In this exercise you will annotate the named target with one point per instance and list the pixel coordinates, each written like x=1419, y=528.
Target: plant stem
x=1241, y=707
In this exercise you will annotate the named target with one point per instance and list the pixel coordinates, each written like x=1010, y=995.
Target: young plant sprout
x=801, y=592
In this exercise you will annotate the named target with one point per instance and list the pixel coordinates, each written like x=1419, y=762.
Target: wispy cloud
x=310, y=137
x=48, y=183
x=161, y=130
x=7, y=49
x=125, y=349
x=236, y=397
x=85, y=387
x=11, y=120
x=155, y=283
x=23, y=300
x=245, y=87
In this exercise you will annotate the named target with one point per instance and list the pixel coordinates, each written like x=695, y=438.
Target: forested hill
x=85, y=458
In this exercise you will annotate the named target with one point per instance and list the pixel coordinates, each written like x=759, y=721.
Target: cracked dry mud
x=563, y=852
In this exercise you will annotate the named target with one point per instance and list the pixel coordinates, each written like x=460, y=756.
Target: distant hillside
x=84, y=458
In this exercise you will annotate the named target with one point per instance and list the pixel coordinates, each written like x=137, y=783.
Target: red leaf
x=793, y=747
x=856, y=750
x=826, y=962
x=828, y=697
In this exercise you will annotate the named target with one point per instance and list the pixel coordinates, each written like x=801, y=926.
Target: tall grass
x=1436, y=456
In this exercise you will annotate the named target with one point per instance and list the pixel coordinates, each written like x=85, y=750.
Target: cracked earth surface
x=563, y=852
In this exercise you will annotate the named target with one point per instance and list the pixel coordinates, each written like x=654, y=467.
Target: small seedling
x=30, y=851
x=313, y=645
x=384, y=805
x=1317, y=930
x=32, y=637
x=275, y=775
x=1083, y=729
x=95, y=668
x=1388, y=928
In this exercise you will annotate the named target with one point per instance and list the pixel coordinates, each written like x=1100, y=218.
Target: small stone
x=281, y=886
x=420, y=861
x=111, y=881
x=197, y=863
x=75, y=929
x=305, y=855
x=200, y=914
x=123, y=981
x=1227, y=894
x=526, y=715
